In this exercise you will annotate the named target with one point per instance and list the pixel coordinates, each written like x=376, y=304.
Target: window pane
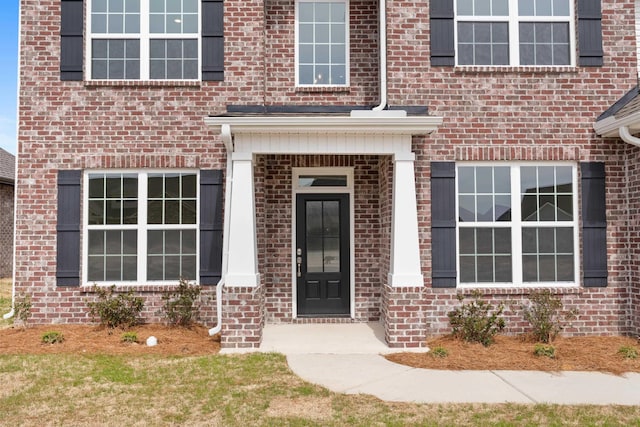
x=467, y=208
x=547, y=268
x=95, y=269
x=467, y=241
x=529, y=241
x=564, y=239
x=113, y=211
x=484, y=240
x=172, y=242
x=529, y=268
x=172, y=212
x=565, y=268
x=467, y=269
x=485, y=208
x=560, y=7
x=465, y=7
x=502, y=238
x=155, y=270
x=154, y=212
x=466, y=180
x=188, y=212
x=485, y=269
x=96, y=242
x=503, y=269
x=503, y=208
x=96, y=212
x=484, y=180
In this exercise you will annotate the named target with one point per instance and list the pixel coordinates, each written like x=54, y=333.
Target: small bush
x=182, y=306
x=129, y=337
x=116, y=310
x=545, y=314
x=439, y=352
x=22, y=307
x=545, y=350
x=628, y=352
x=52, y=337
x=476, y=321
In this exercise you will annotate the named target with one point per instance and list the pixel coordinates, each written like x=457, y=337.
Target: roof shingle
x=7, y=167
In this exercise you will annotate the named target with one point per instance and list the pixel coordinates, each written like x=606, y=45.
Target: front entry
x=322, y=255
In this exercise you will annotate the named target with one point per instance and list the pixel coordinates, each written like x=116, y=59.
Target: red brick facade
x=506, y=114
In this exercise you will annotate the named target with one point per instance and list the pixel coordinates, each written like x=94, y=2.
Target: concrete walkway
x=346, y=359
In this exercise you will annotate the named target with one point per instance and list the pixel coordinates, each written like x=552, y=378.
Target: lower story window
x=517, y=224
x=141, y=227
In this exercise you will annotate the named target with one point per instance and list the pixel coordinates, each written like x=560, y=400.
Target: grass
x=234, y=391
x=5, y=301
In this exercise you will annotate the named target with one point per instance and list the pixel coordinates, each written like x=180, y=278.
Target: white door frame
x=348, y=189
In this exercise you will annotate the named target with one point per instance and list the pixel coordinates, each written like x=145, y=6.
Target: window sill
x=141, y=288
x=142, y=83
x=570, y=289
x=485, y=69
x=323, y=89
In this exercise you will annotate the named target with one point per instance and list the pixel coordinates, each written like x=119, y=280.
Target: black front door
x=322, y=254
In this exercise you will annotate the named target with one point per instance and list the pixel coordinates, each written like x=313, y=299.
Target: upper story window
x=144, y=39
x=515, y=32
x=322, y=34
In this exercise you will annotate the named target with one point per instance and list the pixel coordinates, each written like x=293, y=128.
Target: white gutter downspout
x=627, y=137
x=225, y=133
x=10, y=314
x=383, y=56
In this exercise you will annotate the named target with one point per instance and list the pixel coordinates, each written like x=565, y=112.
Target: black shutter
x=71, y=48
x=211, y=223
x=68, y=228
x=594, y=225
x=589, y=33
x=212, y=40
x=443, y=225
x=441, y=27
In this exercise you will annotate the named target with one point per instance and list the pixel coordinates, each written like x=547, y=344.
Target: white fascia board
x=610, y=126
x=412, y=125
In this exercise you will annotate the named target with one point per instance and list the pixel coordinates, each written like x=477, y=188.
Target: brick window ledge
x=142, y=83
x=323, y=89
x=466, y=69
x=558, y=290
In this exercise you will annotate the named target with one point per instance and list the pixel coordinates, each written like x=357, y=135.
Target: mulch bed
x=92, y=339
x=516, y=353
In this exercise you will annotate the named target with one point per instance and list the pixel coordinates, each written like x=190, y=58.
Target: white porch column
x=243, y=256
x=405, y=248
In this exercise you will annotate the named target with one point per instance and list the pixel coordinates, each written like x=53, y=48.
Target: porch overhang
x=328, y=124
x=370, y=133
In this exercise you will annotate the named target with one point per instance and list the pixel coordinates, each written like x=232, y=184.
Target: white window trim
x=514, y=34
x=141, y=228
x=348, y=189
x=346, y=47
x=516, y=228
x=144, y=37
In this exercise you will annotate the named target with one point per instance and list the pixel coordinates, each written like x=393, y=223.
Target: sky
x=8, y=73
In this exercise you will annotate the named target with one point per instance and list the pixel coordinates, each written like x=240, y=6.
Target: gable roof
x=622, y=119
x=7, y=167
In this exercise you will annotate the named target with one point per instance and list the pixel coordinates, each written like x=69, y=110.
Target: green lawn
x=256, y=389
x=5, y=301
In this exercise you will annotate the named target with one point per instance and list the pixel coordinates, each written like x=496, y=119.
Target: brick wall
x=6, y=230
x=489, y=114
x=633, y=186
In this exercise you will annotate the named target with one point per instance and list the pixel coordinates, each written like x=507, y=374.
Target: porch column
x=405, y=248
x=242, y=264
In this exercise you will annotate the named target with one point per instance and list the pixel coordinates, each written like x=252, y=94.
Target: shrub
x=545, y=314
x=22, y=307
x=52, y=337
x=129, y=337
x=545, y=350
x=476, y=321
x=628, y=352
x=439, y=352
x=116, y=310
x=182, y=306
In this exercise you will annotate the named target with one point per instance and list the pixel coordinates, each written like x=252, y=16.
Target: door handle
x=299, y=261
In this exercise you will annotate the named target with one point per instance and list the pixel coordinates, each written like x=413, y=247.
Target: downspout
x=225, y=133
x=627, y=137
x=10, y=314
x=383, y=56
